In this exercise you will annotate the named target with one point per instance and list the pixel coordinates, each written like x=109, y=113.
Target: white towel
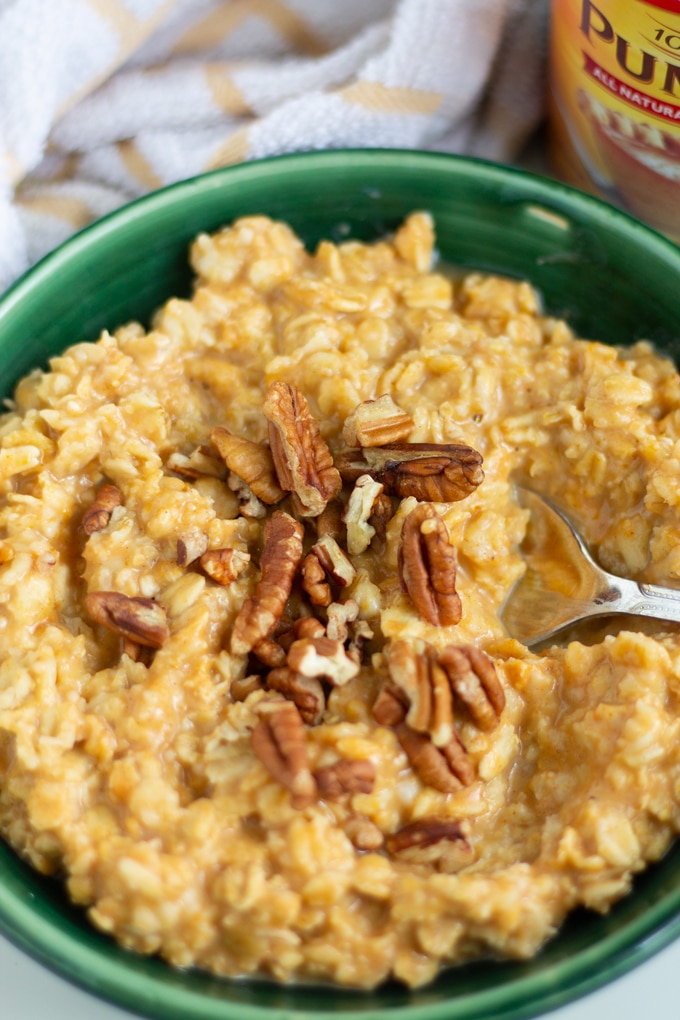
x=105, y=100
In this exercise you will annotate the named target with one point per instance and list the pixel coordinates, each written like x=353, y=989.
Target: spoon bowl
x=563, y=584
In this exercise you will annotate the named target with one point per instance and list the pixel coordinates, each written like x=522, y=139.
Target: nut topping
x=428, y=567
x=281, y=555
x=377, y=422
x=252, y=462
x=440, y=842
x=322, y=657
x=98, y=515
x=304, y=465
x=473, y=677
x=445, y=769
x=198, y=464
x=190, y=546
x=141, y=620
x=440, y=473
x=314, y=581
x=345, y=776
x=424, y=686
x=305, y=692
x=279, y=742
x=224, y=565
x=359, y=510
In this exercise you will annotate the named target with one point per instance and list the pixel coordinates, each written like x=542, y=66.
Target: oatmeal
x=257, y=708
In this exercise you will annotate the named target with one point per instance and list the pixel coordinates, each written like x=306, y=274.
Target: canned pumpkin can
x=615, y=103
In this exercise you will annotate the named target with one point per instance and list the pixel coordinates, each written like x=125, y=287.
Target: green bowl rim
x=524, y=997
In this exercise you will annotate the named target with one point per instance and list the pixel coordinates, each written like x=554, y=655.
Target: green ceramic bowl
x=614, y=280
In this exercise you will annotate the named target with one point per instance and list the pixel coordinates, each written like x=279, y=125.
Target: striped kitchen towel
x=104, y=100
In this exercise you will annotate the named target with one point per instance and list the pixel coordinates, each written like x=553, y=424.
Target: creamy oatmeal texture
x=254, y=737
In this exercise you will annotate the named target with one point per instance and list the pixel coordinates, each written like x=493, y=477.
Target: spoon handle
x=647, y=600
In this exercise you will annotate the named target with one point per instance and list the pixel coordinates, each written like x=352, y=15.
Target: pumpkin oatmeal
x=257, y=708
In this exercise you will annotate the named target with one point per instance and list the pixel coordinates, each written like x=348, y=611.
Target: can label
x=615, y=103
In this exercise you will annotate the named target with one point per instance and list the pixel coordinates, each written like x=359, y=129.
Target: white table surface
x=30, y=992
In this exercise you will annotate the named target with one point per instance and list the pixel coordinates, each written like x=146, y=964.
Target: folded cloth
x=104, y=100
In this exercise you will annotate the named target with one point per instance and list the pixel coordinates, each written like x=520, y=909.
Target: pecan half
x=424, y=686
x=270, y=652
x=142, y=620
x=97, y=516
x=224, y=565
x=473, y=677
x=440, y=473
x=441, y=843
x=190, y=546
x=305, y=692
x=443, y=768
x=304, y=465
x=198, y=464
x=251, y=461
x=281, y=555
x=377, y=422
x=428, y=566
x=279, y=741
x=345, y=776
x=322, y=657
x=358, y=512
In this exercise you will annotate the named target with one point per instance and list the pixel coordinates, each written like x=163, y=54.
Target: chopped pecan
x=360, y=632
x=330, y=522
x=424, y=686
x=345, y=776
x=142, y=620
x=251, y=461
x=381, y=515
x=363, y=833
x=314, y=581
x=334, y=561
x=270, y=653
x=190, y=546
x=224, y=565
x=279, y=742
x=439, y=473
x=322, y=657
x=359, y=510
x=137, y=652
x=98, y=515
x=377, y=422
x=245, y=685
x=250, y=505
x=305, y=692
x=304, y=465
x=433, y=841
x=198, y=464
x=388, y=708
x=281, y=555
x=473, y=677
x=325, y=559
x=339, y=616
x=443, y=768
x=428, y=567
x=303, y=627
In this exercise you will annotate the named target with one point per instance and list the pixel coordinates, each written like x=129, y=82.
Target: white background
x=30, y=992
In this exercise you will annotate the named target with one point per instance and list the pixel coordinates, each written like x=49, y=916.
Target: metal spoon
x=563, y=584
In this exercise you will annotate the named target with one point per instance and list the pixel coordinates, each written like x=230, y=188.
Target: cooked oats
x=131, y=772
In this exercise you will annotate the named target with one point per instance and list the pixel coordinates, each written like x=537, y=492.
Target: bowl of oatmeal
x=262, y=732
